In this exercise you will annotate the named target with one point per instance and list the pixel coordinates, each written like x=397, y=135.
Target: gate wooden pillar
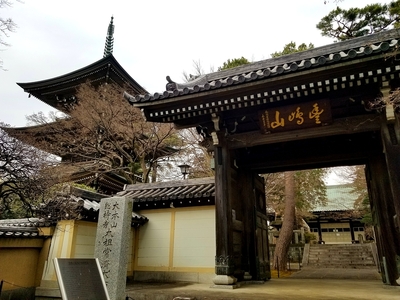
x=390, y=132
x=391, y=142
x=224, y=261
x=383, y=212
x=241, y=220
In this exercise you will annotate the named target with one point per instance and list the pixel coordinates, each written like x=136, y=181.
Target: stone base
x=252, y=282
x=225, y=282
x=247, y=276
x=225, y=287
x=47, y=293
x=165, y=276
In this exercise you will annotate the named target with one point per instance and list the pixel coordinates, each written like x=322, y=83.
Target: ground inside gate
x=276, y=288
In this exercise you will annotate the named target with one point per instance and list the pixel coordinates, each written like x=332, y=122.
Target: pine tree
x=354, y=22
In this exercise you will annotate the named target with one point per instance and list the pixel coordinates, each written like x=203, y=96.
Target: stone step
x=341, y=251
x=338, y=264
x=354, y=256
x=338, y=259
x=361, y=263
x=339, y=255
x=342, y=256
x=341, y=262
x=327, y=266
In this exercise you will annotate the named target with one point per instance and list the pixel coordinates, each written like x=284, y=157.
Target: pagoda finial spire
x=108, y=49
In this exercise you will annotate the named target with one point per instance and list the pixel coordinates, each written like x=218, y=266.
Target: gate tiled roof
x=318, y=57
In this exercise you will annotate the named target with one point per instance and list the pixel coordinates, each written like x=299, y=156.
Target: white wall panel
x=154, y=240
x=194, y=244
x=130, y=251
x=85, y=239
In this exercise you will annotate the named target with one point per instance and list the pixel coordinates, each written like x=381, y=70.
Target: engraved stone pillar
x=111, y=248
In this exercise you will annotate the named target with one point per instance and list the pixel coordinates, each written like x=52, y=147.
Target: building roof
x=190, y=192
x=86, y=203
x=26, y=228
x=91, y=205
x=61, y=90
x=340, y=198
x=109, y=46
x=183, y=193
x=336, y=53
x=353, y=67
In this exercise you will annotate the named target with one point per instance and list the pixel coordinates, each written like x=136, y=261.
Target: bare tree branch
x=107, y=133
x=7, y=25
x=25, y=175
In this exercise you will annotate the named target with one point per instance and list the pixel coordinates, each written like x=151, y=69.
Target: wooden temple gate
x=329, y=106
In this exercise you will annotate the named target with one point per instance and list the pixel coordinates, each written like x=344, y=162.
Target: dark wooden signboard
x=80, y=278
x=291, y=117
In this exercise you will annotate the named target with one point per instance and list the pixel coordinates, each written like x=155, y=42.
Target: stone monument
x=112, y=242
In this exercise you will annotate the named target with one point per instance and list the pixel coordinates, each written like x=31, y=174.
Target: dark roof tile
x=321, y=56
x=21, y=228
x=180, y=193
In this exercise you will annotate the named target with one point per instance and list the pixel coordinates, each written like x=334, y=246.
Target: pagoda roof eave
x=77, y=75
x=106, y=69
x=26, y=129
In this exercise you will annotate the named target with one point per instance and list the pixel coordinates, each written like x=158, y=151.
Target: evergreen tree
x=292, y=195
x=236, y=62
x=291, y=48
x=344, y=24
x=302, y=189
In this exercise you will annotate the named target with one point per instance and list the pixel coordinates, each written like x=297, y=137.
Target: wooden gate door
x=263, y=262
x=262, y=257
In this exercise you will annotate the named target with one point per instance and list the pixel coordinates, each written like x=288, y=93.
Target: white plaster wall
x=85, y=239
x=194, y=242
x=131, y=238
x=154, y=240
x=339, y=237
x=60, y=247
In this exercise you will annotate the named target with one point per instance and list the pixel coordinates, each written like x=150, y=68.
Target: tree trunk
x=145, y=170
x=154, y=172
x=285, y=235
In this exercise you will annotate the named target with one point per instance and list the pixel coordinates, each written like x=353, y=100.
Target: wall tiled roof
x=191, y=192
x=91, y=205
x=27, y=227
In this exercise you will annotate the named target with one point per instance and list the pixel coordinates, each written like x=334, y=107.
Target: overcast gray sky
x=152, y=39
